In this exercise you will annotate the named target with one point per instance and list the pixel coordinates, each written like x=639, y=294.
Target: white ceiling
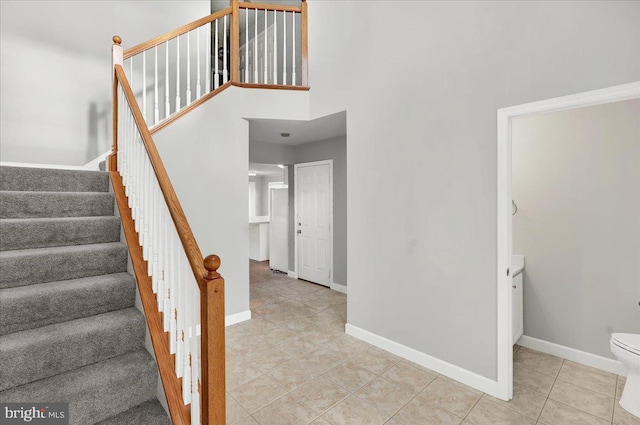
x=265, y=169
x=328, y=127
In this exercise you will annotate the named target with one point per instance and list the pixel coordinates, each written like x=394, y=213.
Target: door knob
x=299, y=231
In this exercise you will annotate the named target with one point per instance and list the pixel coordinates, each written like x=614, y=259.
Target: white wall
x=576, y=180
x=55, y=65
x=208, y=168
x=421, y=82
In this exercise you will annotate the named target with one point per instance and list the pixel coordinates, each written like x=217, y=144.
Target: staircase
x=69, y=330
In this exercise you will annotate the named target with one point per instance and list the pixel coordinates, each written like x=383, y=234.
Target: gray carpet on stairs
x=44, y=179
x=23, y=233
x=55, y=204
x=32, y=306
x=69, y=330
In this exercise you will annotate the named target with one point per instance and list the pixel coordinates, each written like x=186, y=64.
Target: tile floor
x=293, y=364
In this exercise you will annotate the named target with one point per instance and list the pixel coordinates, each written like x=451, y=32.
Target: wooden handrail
x=264, y=6
x=189, y=243
x=175, y=33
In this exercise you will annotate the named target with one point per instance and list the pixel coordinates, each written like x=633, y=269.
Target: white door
x=313, y=221
x=279, y=232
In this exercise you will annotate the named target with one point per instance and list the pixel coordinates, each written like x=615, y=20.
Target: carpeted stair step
x=32, y=306
x=53, y=180
x=39, y=353
x=55, y=204
x=149, y=413
x=40, y=265
x=95, y=392
x=26, y=233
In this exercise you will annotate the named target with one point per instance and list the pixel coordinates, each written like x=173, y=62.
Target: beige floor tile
x=320, y=421
x=540, y=362
x=299, y=346
x=531, y=380
x=267, y=359
x=285, y=411
x=322, y=359
x=622, y=417
x=279, y=335
x=620, y=386
x=449, y=397
x=525, y=402
x=581, y=398
x=235, y=412
x=239, y=372
x=292, y=374
x=555, y=413
x=320, y=394
x=460, y=385
x=376, y=360
x=386, y=396
x=589, y=378
x=393, y=421
x=421, y=412
x=247, y=344
x=487, y=412
x=347, y=345
x=409, y=377
x=350, y=376
x=355, y=411
x=247, y=421
x=422, y=368
x=257, y=393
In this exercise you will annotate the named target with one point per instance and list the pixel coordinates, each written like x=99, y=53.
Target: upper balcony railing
x=154, y=83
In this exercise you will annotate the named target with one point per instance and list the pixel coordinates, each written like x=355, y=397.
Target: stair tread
x=28, y=233
x=38, y=265
x=149, y=413
x=43, y=204
x=51, y=179
x=95, y=392
x=31, y=306
x=38, y=353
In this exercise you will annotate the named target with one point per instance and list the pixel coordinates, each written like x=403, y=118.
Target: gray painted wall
x=576, y=180
x=421, y=157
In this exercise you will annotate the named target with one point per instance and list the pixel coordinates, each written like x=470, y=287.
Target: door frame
x=504, y=218
x=295, y=213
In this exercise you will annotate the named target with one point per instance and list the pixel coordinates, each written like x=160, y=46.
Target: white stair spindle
x=225, y=73
x=246, y=45
x=167, y=101
x=255, y=47
x=216, y=80
x=156, y=109
x=207, y=58
x=266, y=16
x=293, y=50
x=188, y=93
x=198, y=76
x=275, y=47
x=284, y=48
x=177, y=73
x=144, y=85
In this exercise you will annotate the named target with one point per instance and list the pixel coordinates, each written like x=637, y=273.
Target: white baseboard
x=33, y=165
x=338, y=287
x=582, y=357
x=452, y=371
x=232, y=319
x=292, y=274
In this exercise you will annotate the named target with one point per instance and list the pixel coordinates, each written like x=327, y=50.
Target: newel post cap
x=212, y=263
x=117, y=40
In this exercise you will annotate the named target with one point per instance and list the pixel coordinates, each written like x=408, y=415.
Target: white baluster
x=246, y=45
x=266, y=16
x=275, y=47
x=156, y=109
x=198, y=85
x=284, y=48
x=178, y=339
x=177, y=73
x=144, y=85
x=167, y=102
x=186, y=375
x=188, y=68
x=207, y=58
x=255, y=47
x=293, y=50
x=216, y=81
x=225, y=73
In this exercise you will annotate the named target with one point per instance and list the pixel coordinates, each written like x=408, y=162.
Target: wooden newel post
x=235, y=41
x=304, y=35
x=116, y=59
x=213, y=390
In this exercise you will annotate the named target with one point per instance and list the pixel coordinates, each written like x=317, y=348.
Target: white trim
x=471, y=379
x=232, y=319
x=292, y=274
x=295, y=212
x=95, y=163
x=504, y=219
x=32, y=165
x=582, y=357
x=338, y=287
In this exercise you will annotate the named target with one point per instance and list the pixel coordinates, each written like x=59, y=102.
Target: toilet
x=626, y=348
